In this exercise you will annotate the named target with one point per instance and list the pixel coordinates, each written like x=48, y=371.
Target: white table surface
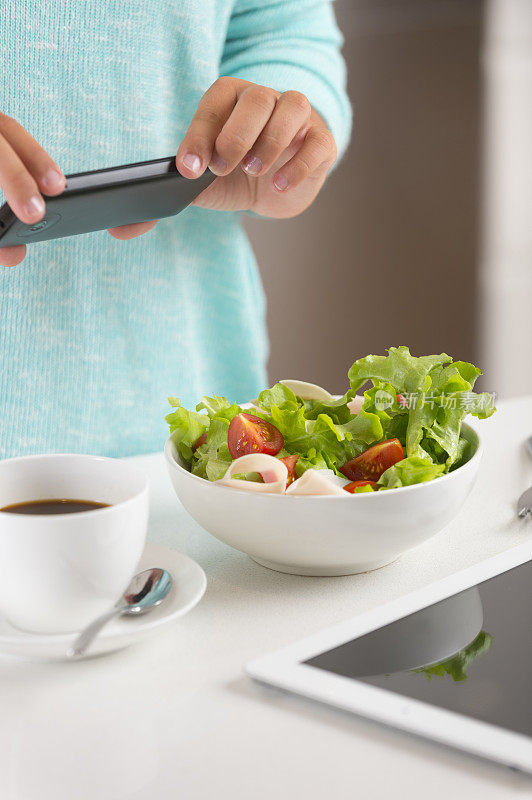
x=176, y=717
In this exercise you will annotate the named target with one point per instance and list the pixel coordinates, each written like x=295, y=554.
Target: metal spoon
x=524, y=504
x=145, y=591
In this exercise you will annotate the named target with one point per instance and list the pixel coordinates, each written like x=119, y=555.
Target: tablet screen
x=471, y=653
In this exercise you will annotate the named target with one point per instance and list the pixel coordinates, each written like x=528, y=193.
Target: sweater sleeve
x=292, y=44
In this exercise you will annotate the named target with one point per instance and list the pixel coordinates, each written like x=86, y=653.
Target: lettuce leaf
x=447, y=425
x=313, y=460
x=399, y=368
x=318, y=437
x=218, y=407
x=335, y=443
x=278, y=396
x=212, y=459
x=337, y=410
x=185, y=427
x=410, y=470
x=422, y=401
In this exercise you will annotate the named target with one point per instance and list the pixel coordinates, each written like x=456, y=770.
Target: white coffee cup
x=60, y=571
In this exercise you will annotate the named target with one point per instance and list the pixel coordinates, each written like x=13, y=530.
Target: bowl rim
x=170, y=449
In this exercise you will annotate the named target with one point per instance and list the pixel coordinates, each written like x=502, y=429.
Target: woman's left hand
x=271, y=151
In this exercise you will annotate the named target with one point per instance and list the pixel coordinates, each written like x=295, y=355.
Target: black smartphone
x=105, y=198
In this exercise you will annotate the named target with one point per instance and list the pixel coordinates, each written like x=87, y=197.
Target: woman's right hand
x=26, y=171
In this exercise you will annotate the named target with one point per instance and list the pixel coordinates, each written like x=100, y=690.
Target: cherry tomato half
x=370, y=464
x=248, y=434
x=290, y=463
x=199, y=441
x=350, y=487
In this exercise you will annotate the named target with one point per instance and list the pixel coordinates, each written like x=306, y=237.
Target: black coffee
x=53, y=506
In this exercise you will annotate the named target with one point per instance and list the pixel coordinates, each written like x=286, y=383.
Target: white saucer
x=187, y=590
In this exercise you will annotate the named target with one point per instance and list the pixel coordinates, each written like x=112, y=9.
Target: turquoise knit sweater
x=96, y=333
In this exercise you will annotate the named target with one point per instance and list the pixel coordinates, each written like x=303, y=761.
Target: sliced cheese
x=308, y=391
x=355, y=404
x=313, y=481
x=273, y=471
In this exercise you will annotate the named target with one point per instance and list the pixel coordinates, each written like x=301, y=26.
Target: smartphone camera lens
x=39, y=226
x=28, y=231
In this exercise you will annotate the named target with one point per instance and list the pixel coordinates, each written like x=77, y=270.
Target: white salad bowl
x=325, y=534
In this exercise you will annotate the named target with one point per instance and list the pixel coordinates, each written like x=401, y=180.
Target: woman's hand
x=26, y=170
x=272, y=151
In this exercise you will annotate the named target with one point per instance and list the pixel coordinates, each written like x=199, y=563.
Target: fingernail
x=218, y=163
x=34, y=206
x=281, y=183
x=252, y=165
x=53, y=180
x=192, y=162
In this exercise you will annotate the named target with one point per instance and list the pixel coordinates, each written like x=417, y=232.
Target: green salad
x=405, y=429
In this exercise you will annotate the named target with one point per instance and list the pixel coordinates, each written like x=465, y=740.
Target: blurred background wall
x=389, y=252
x=505, y=275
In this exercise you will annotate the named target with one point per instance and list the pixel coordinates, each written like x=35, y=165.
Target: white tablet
x=451, y=661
